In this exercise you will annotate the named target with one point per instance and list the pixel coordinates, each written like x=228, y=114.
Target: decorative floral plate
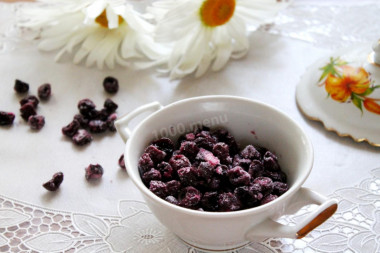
x=343, y=92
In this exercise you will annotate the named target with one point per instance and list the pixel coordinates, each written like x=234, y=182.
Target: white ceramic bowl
x=250, y=122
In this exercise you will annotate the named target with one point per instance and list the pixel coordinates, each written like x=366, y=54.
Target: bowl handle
x=122, y=123
x=303, y=197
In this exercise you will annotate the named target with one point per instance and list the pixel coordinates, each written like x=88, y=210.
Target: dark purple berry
x=145, y=163
x=54, y=183
x=6, y=118
x=207, y=156
x=166, y=170
x=172, y=200
x=221, y=171
x=189, y=149
x=270, y=161
x=111, y=84
x=36, y=122
x=21, y=87
x=238, y=176
x=122, y=162
x=214, y=184
x=173, y=187
x=164, y=144
x=206, y=142
x=111, y=122
x=228, y=202
x=97, y=126
x=276, y=175
x=71, y=129
x=206, y=170
x=159, y=188
x=94, y=114
x=44, y=91
x=102, y=114
x=156, y=154
x=256, y=169
x=82, y=137
x=32, y=99
x=150, y=175
x=82, y=120
x=265, y=183
x=222, y=135
x=221, y=150
x=189, y=175
x=250, y=152
x=268, y=199
x=242, y=162
x=110, y=105
x=189, y=197
x=280, y=188
x=86, y=106
x=27, y=110
x=209, y=201
x=179, y=161
x=249, y=195
x=94, y=172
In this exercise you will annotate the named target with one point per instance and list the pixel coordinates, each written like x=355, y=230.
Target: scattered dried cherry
x=94, y=172
x=86, y=106
x=54, y=183
x=122, y=162
x=110, y=105
x=44, y=91
x=111, y=84
x=21, y=87
x=36, y=122
x=6, y=118
x=71, y=129
x=97, y=126
x=27, y=110
x=30, y=98
x=82, y=137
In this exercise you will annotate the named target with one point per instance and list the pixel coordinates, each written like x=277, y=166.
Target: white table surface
x=269, y=73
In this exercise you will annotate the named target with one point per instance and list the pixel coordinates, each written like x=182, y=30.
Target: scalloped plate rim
x=313, y=112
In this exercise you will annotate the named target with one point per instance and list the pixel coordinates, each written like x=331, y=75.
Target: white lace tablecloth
x=110, y=215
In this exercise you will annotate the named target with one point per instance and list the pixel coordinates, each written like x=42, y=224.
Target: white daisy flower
x=97, y=31
x=208, y=33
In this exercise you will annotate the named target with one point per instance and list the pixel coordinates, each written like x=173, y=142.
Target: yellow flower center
x=217, y=12
x=103, y=21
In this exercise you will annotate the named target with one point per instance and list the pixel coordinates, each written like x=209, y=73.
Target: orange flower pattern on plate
x=345, y=83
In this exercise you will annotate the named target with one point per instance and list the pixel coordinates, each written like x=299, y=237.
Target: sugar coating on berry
x=82, y=137
x=207, y=156
x=156, y=154
x=179, y=161
x=159, y=188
